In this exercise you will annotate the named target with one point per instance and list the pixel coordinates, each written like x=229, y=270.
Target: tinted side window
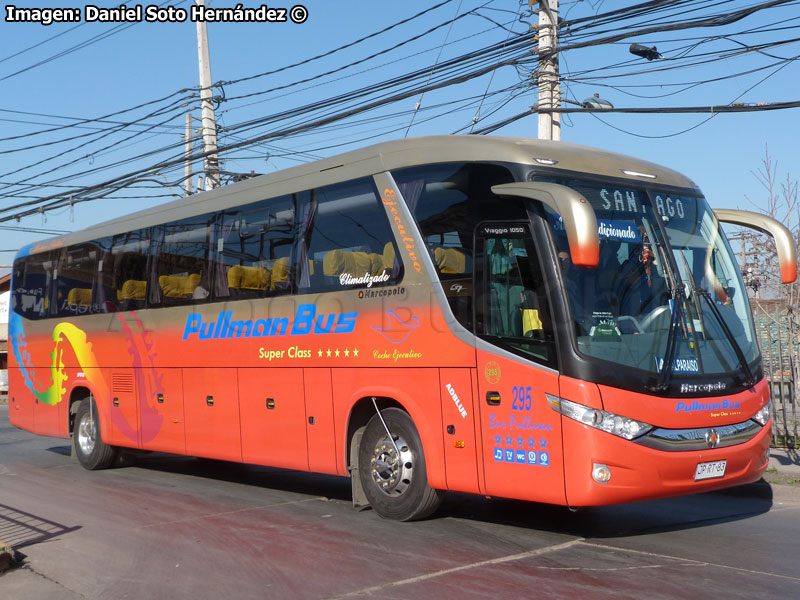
x=346, y=241
x=448, y=201
x=32, y=281
x=253, y=249
x=129, y=253
x=182, y=267
x=75, y=281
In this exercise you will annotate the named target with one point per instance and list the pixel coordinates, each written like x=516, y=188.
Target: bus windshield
x=665, y=289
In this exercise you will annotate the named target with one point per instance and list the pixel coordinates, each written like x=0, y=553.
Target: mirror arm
x=784, y=242
x=578, y=215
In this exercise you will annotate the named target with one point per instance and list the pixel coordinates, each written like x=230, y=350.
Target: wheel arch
x=360, y=414
x=78, y=394
x=426, y=414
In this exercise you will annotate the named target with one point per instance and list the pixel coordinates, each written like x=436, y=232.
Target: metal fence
x=780, y=354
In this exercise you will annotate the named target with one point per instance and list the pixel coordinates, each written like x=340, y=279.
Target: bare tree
x=776, y=305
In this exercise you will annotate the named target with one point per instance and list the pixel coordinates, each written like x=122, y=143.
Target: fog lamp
x=601, y=473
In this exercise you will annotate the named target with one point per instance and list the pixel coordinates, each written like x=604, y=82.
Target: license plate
x=710, y=470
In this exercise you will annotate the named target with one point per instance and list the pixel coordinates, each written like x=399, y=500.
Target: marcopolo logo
x=306, y=321
x=696, y=406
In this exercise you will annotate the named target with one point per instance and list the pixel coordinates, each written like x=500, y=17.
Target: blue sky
x=137, y=63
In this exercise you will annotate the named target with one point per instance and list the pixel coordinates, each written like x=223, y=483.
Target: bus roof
x=383, y=157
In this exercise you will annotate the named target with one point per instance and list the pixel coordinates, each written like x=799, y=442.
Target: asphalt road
x=175, y=527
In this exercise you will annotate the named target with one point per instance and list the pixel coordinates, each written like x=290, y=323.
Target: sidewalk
x=785, y=461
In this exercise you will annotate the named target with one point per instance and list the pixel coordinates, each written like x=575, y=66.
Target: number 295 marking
x=522, y=398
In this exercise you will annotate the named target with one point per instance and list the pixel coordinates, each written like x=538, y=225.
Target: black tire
x=396, y=487
x=87, y=444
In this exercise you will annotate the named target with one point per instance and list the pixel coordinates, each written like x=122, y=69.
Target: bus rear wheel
x=392, y=469
x=89, y=448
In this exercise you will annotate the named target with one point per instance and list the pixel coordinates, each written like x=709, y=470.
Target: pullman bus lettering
x=305, y=322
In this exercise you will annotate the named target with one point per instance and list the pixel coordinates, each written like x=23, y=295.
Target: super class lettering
x=306, y=321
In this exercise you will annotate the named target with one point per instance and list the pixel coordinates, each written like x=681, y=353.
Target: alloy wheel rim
x=87, y=433
x=392, y=465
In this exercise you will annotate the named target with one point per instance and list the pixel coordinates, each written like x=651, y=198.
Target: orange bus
x=501, y=316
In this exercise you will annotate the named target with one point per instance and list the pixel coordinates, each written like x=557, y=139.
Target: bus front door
x=520, y=433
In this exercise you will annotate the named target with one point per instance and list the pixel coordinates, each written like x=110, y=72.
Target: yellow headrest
x=450, y=260
x=241, y=277
x=337, y=262
x=388, y=256
x=80, y=296
x=376, y=262
x=178, y=286
x=280, y=271
x=132, y=290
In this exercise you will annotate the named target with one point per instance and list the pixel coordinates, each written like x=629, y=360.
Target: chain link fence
x=779, y=347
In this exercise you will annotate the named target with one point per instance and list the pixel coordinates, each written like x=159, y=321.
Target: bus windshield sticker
x=618, y=230
x=680, y=365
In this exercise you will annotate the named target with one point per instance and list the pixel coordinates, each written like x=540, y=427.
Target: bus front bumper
x=636, y=472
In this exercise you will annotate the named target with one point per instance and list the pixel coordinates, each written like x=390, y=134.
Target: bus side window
x=75, y=281
x=181, y=261
x=346, y=241
x=104, y=294
x=130, y=278
x=448, y=201
x=32, y=285
x=252, y=249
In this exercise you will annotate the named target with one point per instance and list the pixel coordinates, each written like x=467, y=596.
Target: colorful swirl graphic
x=140, y=349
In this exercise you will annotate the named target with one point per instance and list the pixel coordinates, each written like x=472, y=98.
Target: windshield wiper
x=698, y=309
x=678, y=322
x=749, y=380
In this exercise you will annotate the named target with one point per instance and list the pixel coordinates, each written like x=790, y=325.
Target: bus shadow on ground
x=313, y=484
x=622, y=520
x=62, y=450
x=639, y=518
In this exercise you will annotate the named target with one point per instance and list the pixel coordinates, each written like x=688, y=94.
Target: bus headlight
x=762, y=416
x=623, y=427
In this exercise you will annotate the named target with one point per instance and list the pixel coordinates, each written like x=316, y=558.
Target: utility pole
x=211, y=160
x=187, y=169
x=750, y=269
x=549, y=87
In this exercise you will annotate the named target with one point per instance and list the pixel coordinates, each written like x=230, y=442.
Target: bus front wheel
x=89, y=448
x=392, y=468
